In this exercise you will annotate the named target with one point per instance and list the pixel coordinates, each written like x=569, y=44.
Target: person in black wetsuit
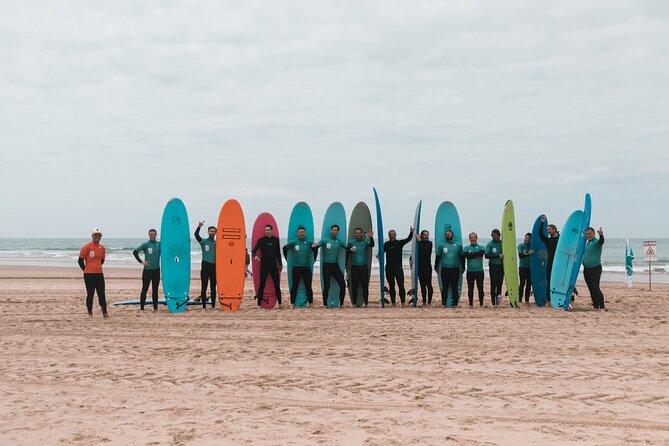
x=394, y=271
x=551, y=245
x=270, y=262
x=425, y=266
x=151, y=273
x=208, y=269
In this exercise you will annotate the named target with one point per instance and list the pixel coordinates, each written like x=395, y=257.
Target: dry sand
x=395, y=376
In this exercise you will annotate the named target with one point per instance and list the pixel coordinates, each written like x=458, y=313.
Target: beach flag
x=629, y=256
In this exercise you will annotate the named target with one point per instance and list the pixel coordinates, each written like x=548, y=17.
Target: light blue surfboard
x=335, y=214
x=380, y=255
x=175, y=255
x=580, y=249
x=414, y=254
x=447, y=218
x=300, y=216
x=538, y=262
x=566, y=252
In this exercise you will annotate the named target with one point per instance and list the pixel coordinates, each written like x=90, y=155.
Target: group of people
x=452, y=259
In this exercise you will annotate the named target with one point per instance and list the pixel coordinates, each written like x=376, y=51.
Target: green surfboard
x=510, y=260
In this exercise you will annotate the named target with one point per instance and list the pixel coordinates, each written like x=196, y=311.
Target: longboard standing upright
x=230, y=256
x=175, y=255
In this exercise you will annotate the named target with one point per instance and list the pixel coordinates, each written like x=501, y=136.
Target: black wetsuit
x=524, y=274
x=551, y=247
x=394, y=271
x=425, y=270
x=270, y=261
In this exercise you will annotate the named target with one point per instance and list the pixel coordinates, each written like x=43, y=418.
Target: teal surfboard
x=175, y=255
x=447, y=218
x=564, y=261
x=335, y=214
x=510, y=251
x=149, y=303
x=587, y=209
x=379, y=244
x=360, y=218
x=300, y=216
x=414, y=254
x=538, y=262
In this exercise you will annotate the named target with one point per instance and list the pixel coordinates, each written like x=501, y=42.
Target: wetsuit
x=451, y=258
x=270, y=262
x=474, y=256
x=425, y=270
x=91, y=259
x=551, y=247
x=302, y=253
x=359, y=269
x=592, y=270
x=524, y=271
x=151, y=272
x=331, y=269
x=394, y=271
x=208, y=269
x=492, y=252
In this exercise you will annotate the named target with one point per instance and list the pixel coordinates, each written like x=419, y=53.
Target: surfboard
x=538, y=262
x=268, y=299
x=580, y=249
x=360, y=218
x=510, y=251
x=230, y=256
x=447, y=218
x=300, y=216
x=335, y=214
x=414, y=255
x=149, y=303
x=566, y=251
x=175, y=255
x=380, y=253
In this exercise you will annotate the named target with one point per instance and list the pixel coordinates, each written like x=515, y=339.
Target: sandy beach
x=392, y=376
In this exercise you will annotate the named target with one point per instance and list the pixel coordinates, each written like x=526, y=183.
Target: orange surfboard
x=230, y=256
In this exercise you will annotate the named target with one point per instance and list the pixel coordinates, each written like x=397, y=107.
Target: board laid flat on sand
x=538, y=262
x=380, y=255
x=414, y=254
x=447, y=218
x=360, y=218
x=175, y=255
x=268, y=299
x=230, y=256
x=300, y=216
x=335, y=215
x=509, y=249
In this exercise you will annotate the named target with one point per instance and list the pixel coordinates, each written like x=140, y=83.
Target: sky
x=109, y=109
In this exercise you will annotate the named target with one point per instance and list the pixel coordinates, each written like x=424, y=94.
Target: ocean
x=65, y=251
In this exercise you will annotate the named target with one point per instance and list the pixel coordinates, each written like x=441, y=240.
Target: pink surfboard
x=269, y=293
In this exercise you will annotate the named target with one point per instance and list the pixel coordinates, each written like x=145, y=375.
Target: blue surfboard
x=565, y=258
x=175, y=255
x=538, y=262
x=380, y=255
x=300, y=216
x=447, y=218
x=414, y=254
x=587, y=209
x=335, y=215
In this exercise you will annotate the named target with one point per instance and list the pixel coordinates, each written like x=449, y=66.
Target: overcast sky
x=109, y=109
